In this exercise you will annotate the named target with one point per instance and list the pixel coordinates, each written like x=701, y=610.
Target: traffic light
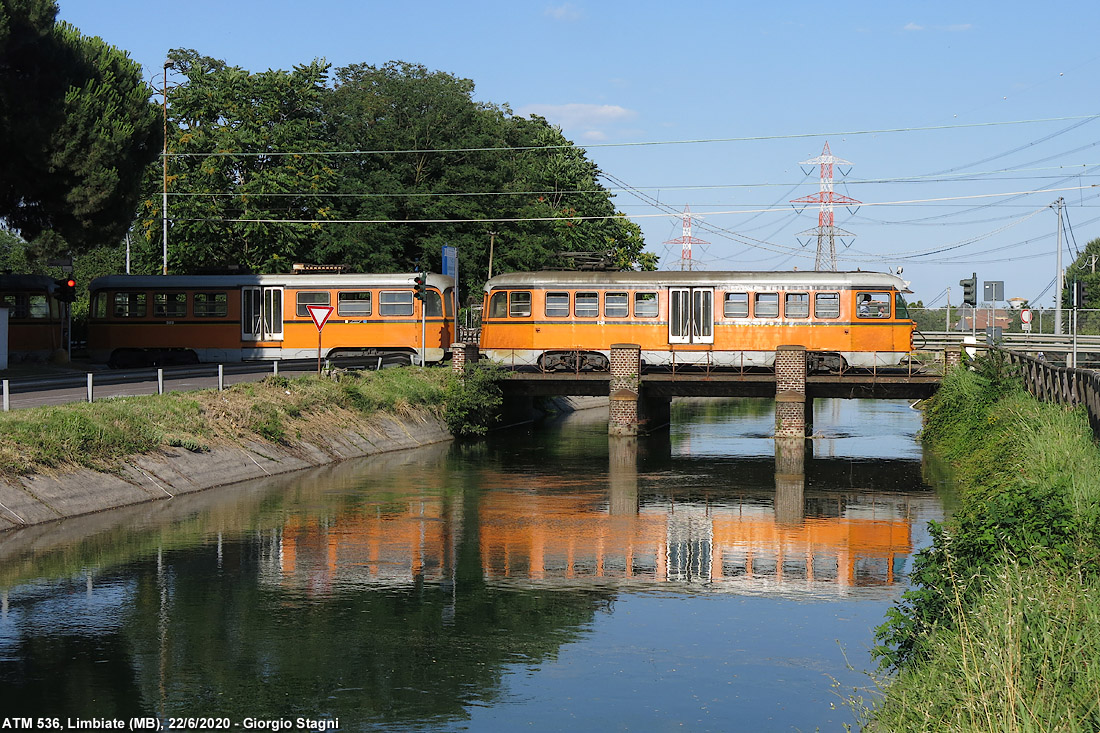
x=1079, y=294
x=420, y=287
x=970, y=289
x=66, y=290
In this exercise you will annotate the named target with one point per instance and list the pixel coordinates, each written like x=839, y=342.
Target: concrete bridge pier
x=794, y=411
x=622, y=475
x=790, y=479
x=631, y=411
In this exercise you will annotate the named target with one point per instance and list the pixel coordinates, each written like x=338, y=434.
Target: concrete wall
x=163, y=475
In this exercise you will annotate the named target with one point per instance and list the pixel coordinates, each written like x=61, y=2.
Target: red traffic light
x=65, y=290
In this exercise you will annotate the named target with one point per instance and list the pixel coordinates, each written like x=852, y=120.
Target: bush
x=473, y=400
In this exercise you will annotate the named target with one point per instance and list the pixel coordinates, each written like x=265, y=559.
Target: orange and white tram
x=140, y=320
x=568, y=320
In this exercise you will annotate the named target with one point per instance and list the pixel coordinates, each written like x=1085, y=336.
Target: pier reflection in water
x=555, y=576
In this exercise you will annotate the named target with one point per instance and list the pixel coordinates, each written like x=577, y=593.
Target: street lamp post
x=164, y=164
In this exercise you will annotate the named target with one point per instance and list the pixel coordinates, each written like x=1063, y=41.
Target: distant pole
x=947, y=318
x=492, y=240
x=1059, y=278
x=164, y=166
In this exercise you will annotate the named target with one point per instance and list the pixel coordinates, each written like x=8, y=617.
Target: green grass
x=100, y=435
x=1001, y=630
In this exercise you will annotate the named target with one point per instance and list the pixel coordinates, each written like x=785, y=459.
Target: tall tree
x=77, y=130
x=245, y=151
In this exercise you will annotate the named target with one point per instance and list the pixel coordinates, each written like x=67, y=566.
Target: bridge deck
x=882, y=384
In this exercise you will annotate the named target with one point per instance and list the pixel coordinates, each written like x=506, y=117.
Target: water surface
x=550, y=578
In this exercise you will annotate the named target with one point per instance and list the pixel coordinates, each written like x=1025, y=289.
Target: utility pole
x=1059, y=279
x=164, y=164
x=492, y=240
x=947, y=319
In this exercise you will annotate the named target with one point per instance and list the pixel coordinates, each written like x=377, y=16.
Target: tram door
x=261, y=314
x=691, y=315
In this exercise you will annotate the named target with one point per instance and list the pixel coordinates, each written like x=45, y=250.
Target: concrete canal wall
x=173, y=471
x=162, y=475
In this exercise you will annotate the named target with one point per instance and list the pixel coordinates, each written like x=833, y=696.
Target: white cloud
x=566, y=13
x=956, y=28
x=577, y=115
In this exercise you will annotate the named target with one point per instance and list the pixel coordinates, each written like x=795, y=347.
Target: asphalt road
x=106, y=383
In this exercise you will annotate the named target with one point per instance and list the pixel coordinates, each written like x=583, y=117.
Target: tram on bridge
x=569, y=320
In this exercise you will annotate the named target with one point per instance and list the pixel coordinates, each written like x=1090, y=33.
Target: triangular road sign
x=319, y=314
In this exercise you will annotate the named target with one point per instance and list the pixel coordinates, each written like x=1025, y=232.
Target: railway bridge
x=640, y=399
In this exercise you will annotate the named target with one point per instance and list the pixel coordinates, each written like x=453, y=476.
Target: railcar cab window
x=766, y=305
x=498, y=305
x=395, y=303
x=616, y=305
x=736, y=305
x=557, y=305
x=796, y=305
x=519, y=304
x=873, y=305
x=433, y=304
x=901, y=310
x=353, y=303
x=129, y=305
x=211, y=305
x=169, y=305
x=99, y=305
x=306, y=298
x=586, y=305
x=645, y=305
x=826, y=305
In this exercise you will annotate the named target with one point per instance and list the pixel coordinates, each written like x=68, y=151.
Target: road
x=26, y=392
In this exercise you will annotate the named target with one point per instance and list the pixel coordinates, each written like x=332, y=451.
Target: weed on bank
x=1001, y=629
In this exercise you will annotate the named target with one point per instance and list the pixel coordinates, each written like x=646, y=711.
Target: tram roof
x=343, y=280
x=27, y=282
x=698, y=278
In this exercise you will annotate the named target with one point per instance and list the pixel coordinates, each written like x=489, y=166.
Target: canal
x=549, y=578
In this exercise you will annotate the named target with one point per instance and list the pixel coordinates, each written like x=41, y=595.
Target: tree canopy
x=380, y=165
x=77, y=131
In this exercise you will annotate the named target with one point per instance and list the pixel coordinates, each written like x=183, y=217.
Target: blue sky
x=760, y=87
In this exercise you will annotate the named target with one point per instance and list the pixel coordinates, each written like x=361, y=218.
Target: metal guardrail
x=1045, y=342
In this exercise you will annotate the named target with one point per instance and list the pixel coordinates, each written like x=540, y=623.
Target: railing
x=1060, y=385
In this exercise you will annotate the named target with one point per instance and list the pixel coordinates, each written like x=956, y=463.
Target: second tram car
x=154, y=320
x=568, y=320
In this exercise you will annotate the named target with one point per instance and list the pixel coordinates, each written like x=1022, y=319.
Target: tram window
x=736, y=305
x=826, y=305
x=498, y=305
x=587, y=305
x=766, y=305
x=557, y=305
x=433, y=304
x=796, y=305
x=873, y=305
x=18, y=304
x=901, y=310
x=211, y=305
x=519, y=304
x=39, y=307
x=130, y=305
x=645, y=305
x=616, y=305
x=169, y=305
x=395, y=303
x=306, y=298
x=99, y=305
x=355, y=303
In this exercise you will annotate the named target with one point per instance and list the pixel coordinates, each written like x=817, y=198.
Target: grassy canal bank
x=1001, y=630
x=73, y=459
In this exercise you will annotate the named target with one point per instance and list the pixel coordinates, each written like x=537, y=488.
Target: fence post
x=275, y=367
x=221, y=377
x=6, y=405
x=89, y=386
x=160, y=380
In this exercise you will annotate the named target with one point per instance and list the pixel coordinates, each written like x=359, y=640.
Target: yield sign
x=319, y=314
